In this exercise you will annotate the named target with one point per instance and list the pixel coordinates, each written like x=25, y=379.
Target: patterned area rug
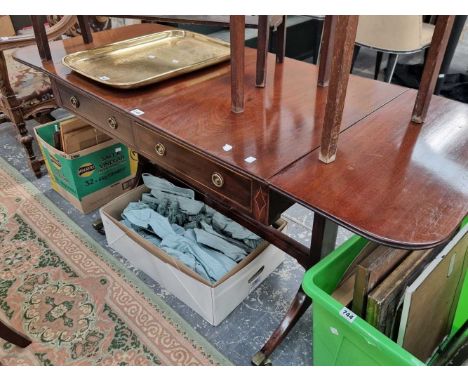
x=77, y=303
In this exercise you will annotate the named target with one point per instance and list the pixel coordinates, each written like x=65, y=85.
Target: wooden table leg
x=324, y=232
x=237, y=32
x=343, y=47
x=323, y=242
x=298, y=307
x=262, y=50
x=326, y=50
x=281, y=41
x=431, y=70
x=85, y=29
x=13, y=336
x=38, y=24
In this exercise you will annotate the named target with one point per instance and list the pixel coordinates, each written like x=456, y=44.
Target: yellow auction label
x=86, y=169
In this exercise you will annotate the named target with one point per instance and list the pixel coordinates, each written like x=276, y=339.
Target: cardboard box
x=6, y=27
x=76, y=135
x=89, y=178
x=82, y=139
x=213, y=302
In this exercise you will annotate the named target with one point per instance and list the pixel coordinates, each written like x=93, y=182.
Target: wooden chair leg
x=378, y=63
x=262, y=50
x=15, y=115
x=237, y=32
x=326, y=50
x=27, y=141
x=85, y=29
x=431, y=70
x=41, y=37
x=13, y=336
x=343, y=45
x=281, y=41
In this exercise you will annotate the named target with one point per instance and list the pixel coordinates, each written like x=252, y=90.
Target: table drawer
x=104, y=117
x=193, y=167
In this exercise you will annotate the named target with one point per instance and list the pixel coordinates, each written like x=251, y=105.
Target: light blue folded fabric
x=238, y=243
x=221, y=245
x=216, y=256
x=186, y=205
x=179, y=245
x=148, y=218
x=188, y=230
x=160, y=184
x=228, y=226
x=146, y=234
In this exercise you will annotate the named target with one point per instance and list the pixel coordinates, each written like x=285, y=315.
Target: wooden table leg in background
x=324, y=234
x=343, y=48
x=85, y=29
x=326, y=50
x=281, y=41
x=431, y=70
x=11, y=335
x=262, y=50
x=237, y=32
x=38, y=24
x=457, y=30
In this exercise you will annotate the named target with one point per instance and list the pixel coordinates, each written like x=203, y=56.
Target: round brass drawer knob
x=160, y=149
x=112, y=122
x=74, y=101
x=217, y=179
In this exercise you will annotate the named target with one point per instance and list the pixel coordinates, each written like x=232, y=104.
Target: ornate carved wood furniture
x=25, y=92
x=395, y=182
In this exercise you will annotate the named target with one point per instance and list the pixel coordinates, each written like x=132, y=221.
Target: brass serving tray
x=148, y=59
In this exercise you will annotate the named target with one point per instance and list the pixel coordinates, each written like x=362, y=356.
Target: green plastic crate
x=461, y=314
x=339, y=336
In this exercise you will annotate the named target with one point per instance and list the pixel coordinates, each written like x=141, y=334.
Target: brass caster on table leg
x=259, y=359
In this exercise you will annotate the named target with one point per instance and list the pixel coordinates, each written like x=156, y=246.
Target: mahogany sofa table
x=394, y=182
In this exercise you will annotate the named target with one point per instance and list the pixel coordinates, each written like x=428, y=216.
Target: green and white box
x=91, y=177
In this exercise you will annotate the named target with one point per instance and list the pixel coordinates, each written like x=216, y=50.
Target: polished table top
x=392, y=181
x=402, y=183
x=281, y=122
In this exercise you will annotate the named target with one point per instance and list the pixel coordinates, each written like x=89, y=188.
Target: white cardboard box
x=213, y=302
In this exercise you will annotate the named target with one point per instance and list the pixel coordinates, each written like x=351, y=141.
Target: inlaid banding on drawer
x=194, y=168
x=106, y=118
